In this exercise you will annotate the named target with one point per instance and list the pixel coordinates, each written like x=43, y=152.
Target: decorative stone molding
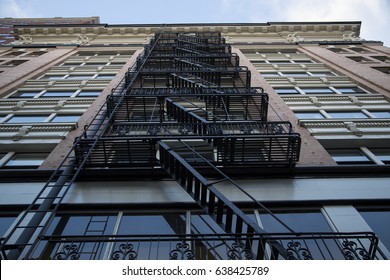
x=294, y=38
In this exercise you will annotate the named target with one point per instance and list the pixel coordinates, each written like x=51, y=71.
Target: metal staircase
x=185, y=107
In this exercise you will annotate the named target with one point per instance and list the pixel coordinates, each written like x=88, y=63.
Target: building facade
x=193, y=141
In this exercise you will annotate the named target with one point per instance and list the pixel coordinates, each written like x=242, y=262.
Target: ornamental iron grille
x=306, y=246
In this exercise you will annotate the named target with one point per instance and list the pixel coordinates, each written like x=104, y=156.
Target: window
x=105, y=76
x=26, y=160
x=347, y=115
x=65, y=118
x=27, y=118
x=317, y=90
x=382, y=154
x=152, y=224
x=309, y=115
x=279, y=61
x=57, y=94
x=282, y=91
x=311, y=221
x=322, y=73
x=349, y=156
x=52, y=77
x=296, y=74
x=25, y=94
x=83, y=225
x=270, y=74
x=350, y=90
x=381, y=114
x=89, y=93
x=303, y=61
x=95, y=63
x=379, y=222
x=79, y=77
x=6, y=221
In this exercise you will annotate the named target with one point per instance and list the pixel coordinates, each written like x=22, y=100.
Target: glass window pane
x=347, y=115
x=299, y=222
x=270, y=74
x=89, y=94
x=152, y=224
x=286, y=91
x=350, y=90
x=317, y=90
x=322, y=74
x=65, y=118
x=379, y=222
x=55, y=94
x=381, y=115
x=79, y=77
x=52, y=77
x=296, y=74
x=27, y=160
x=5, y=223
x=25, y=94
x=27, y=119
x=349, y=156
x=382, y=154
x=107, y=76
x=309, y=115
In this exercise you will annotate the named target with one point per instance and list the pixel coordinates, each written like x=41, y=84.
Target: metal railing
x=303, y=246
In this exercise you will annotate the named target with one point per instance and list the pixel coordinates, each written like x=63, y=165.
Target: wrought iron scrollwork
x=125, y=252
x=182, y=252
x=68, y=252
x=239, y=252
x=351, y=251
x=295, y=251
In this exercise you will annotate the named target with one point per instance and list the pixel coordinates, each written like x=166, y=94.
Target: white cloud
x=16, y=9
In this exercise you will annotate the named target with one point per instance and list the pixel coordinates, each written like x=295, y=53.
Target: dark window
x=347, y=115
x=282, y=91
x=105, y=76
x=382, y=154
x=89, y=93
x=79, y=77
x=317, y=90
x=57, y=94
x=52, y=77
x=27, y=119
x=381, y=114
x=66, y=118
x=26, y=160
x=296, y=74
x=349, y=156
x=350, y=90
x=152, y=224
x=6, y=221
x=379, y=222
x=25, y=94
x=309, y=115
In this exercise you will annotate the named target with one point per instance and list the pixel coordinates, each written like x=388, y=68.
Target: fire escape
x=186, y=107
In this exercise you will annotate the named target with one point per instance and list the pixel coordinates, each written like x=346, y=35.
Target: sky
x=374, y=14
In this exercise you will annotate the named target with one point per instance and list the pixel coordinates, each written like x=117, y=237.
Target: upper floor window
x=27, y=118
x=319, y=90
x=57, y=94
x=286, y=90
x=66, y=118
x=347, y=115
x=26, y=160
x=349, y=156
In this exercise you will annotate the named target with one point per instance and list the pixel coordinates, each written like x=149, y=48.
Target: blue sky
x=374, y=14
